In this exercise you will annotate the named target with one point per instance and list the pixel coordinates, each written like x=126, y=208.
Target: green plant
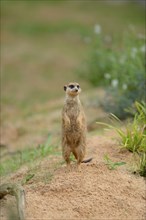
x=134, y=138
x=119, y=67
x=139, y=163
x=46, y=148
x=133, y=135
x=112, y=165
x=27, y=178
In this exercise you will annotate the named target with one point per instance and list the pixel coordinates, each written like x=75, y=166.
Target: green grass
x=112, y=165
x=27, y=156
x=133, y=137
x=42, y=29
x=139, y=163
x=27, y=178
x=133, y=134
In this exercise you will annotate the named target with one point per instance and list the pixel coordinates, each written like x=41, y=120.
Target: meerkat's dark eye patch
x=78, y=86
x=65, y=88
x=71, y=86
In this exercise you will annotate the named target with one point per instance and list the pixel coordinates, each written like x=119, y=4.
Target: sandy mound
x=94, y=193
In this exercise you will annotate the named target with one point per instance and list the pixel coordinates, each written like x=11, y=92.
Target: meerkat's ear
x=65, y=87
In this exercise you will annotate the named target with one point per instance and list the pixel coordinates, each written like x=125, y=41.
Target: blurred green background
x=44, y=44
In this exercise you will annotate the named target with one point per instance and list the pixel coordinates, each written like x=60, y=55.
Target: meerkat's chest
x=73, y=111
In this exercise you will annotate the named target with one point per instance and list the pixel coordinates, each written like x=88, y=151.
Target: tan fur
x=73, y=125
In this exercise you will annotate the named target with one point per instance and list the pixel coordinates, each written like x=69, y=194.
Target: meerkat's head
x=72, y=89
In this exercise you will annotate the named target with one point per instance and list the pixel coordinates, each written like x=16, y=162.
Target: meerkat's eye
x=78, y=86
x=71, y=86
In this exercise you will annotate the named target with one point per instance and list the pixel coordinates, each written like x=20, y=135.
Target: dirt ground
x=94, y=193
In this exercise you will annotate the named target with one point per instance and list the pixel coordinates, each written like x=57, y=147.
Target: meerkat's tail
x=87, y=160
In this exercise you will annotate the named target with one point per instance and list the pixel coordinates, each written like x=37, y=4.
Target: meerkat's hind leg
x=66, y=156
x=76, y=156
x=78, y=166
x=80, y=150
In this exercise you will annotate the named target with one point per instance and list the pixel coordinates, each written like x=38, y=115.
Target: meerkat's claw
x=79, y=168
x=68, y=167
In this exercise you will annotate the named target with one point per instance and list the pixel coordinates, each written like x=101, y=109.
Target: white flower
x=107, y=76
x=143, y=48
x=124, y=86
x=114, y=83
x=97, y=29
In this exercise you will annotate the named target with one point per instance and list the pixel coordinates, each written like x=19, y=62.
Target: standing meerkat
x=74, y=125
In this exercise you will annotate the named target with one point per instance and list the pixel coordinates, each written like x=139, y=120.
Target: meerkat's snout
x=72, y=89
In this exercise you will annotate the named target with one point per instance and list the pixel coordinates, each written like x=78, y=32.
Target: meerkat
x=74, y=127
